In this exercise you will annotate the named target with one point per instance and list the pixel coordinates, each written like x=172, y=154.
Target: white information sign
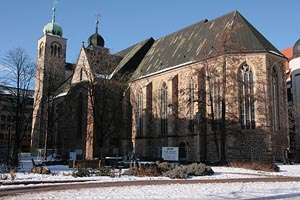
x=72, y=155
x=170, y=153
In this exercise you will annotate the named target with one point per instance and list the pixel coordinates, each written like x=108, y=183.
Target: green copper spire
x=54, y=10
x=53, y=28
x=53, y=14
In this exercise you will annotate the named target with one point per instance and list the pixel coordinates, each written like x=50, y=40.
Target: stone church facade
x=215, y=89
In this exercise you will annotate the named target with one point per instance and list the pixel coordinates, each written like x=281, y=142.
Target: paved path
x=12, y=191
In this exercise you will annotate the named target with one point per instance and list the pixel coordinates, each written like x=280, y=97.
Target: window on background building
x=164, y=109
x=191, y=104
x=275, y=100
x=246, y=97
x=139, y=114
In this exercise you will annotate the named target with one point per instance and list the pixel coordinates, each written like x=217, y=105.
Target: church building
x=215, y=90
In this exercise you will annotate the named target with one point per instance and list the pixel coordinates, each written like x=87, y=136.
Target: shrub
x=170, y=170
x=102, y=171
x=165, y=166
x=198, y=170
x=269, y=167
x=148, y=171
x=81, y=172
x=129, y=172
x=40, y=170
x=177, y=172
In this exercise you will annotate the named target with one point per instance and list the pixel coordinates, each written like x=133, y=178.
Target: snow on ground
x=255, y=190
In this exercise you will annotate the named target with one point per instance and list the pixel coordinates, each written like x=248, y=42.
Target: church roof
x=133, y=55
x=231, y=33
x=64, y=87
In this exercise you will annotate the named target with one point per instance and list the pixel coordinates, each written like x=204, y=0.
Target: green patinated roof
x=53, y=28
x=204, y=40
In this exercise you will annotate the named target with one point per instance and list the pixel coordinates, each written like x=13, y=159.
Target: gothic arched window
x=246, y=97
x=191, y=104
x=275, y=100
x=139, y=114
x=164, y=109
x=215, y=88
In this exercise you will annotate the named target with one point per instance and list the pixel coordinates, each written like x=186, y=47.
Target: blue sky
x=126, y=22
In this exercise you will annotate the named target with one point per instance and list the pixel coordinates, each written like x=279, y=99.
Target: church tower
x=50, y=74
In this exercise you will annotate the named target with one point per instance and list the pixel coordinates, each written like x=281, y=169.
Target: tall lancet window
x=215, y=88
x=139, y=114
x=275, y=100
x=246, y=97
x=191, y=104
x=164, y=109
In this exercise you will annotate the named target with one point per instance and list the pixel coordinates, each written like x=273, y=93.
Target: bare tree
x=21, y=71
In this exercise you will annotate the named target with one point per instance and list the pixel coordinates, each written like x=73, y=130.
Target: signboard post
x=170, y=153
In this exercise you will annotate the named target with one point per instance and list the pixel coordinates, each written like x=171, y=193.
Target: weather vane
x=97, y=21
x=54, y=3
x=98, y=15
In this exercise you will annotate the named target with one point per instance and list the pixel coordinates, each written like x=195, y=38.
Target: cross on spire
x=54, y=9
x=97, y=21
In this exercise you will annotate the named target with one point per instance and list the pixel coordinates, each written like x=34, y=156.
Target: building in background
x=293, y=92
x=8, y=121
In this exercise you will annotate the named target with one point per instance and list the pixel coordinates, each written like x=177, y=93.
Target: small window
x=41, y=49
